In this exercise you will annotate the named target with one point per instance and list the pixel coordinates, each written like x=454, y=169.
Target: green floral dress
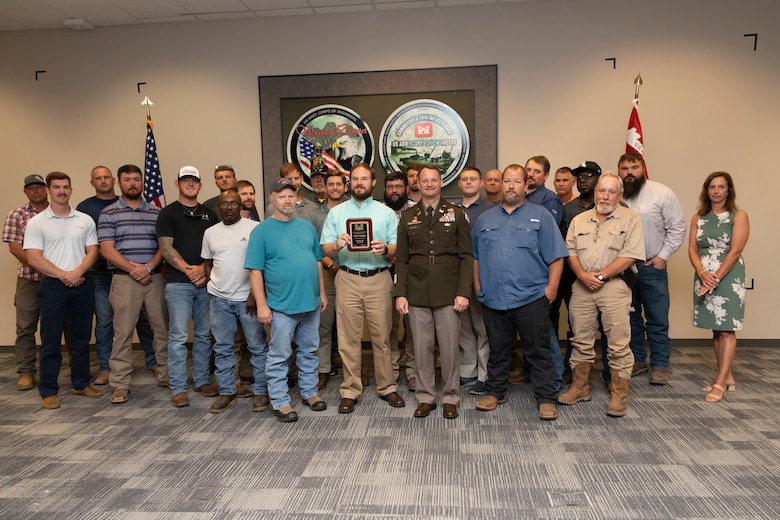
x=724, y=309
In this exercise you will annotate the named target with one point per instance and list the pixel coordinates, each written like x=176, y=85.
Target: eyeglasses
x=230, y=204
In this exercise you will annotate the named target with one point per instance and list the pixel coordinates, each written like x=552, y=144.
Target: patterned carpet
x=672, y=456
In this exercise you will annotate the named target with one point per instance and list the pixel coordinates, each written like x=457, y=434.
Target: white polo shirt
x=63, y=241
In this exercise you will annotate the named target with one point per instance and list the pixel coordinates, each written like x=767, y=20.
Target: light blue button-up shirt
x=384, y=227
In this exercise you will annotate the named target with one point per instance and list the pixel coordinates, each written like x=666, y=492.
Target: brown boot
x=617, y=405
x=580, y=385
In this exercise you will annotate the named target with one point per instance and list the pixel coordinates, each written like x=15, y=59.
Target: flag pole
x=153, y=183
x=146, y=103
x=637, y=83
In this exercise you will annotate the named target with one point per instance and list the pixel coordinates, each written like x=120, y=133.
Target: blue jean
x=186, y=301
x=104, y=325
x=532, y=322
x=59, y=304
x=225, y=315
x=305, y=327
x=651, y=294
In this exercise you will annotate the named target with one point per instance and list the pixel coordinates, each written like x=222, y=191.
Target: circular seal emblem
x=329, y=137
x=425, y=131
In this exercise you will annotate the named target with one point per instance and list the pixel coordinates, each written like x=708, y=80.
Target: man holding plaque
x=360, y=234
x=434, y=268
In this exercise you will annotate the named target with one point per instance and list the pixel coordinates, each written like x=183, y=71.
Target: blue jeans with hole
x=186, y=301
x=225, y=315
x=305, y=327
x=651, y=295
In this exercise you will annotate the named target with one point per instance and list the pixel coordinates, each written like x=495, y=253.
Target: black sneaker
x=466, y=382
x=478, y=388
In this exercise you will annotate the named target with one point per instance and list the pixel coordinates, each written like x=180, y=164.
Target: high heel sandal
x=730, y=387
x=717, y=393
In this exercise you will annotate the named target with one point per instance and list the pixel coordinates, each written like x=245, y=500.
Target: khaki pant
x=613, y=301
x=127, y=297
x=475, y=348
x=429, y=324
x=357, y=299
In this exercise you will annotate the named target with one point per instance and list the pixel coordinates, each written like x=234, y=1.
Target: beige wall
x=709, y=101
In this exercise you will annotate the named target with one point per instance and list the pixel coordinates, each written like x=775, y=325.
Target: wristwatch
x=600, y=277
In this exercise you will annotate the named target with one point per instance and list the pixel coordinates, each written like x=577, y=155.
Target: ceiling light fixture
x=78, y=24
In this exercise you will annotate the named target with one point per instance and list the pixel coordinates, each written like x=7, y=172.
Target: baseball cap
x=587, y=166
x=280, y=184
x=189, y=171
x=33, y=179
x=319, y=170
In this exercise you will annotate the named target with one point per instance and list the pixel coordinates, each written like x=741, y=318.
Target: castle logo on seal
x=425, y=131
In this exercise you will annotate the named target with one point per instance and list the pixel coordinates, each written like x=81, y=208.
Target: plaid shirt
x=13, y=231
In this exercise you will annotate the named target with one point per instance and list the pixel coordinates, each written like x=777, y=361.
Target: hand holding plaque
x=360, y=234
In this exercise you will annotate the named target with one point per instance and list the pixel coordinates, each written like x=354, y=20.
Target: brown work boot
x=324, y=377
x=26, y=382
x=617, y=404
x=102, y=378
x=580, y=385
x=242, y=391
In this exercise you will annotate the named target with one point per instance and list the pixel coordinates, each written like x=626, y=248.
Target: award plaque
x=360, y=233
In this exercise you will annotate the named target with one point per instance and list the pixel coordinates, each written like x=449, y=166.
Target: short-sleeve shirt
x=547, y=199
x=477, y=208
x=186, y=226
x=597, y=244
x=133, y=231
x=226, y=246
x=13, y=231
x=384, y=226
x=92, y=207
x=514, y=251
x=287, y=252
x=62, y=241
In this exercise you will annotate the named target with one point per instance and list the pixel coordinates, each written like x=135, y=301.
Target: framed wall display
x=388, y=119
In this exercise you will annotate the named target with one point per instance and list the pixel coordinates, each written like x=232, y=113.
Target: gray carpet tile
x=673, y=455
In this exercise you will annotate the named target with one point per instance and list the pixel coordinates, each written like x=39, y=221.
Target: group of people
x=466, y=278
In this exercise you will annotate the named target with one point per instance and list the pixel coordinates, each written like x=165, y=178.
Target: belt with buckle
x=364, y=274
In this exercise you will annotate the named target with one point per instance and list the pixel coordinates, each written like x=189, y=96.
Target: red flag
x=634, y=140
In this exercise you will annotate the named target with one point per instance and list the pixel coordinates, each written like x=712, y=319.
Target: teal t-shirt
x=287, y=253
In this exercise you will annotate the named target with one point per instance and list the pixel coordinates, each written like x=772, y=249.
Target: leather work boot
x=617, y=405
x=580, y=385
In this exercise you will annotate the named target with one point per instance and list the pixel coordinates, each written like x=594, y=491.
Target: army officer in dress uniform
x=433, y=266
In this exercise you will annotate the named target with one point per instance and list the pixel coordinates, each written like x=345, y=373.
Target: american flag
x=153, y=183
x=307, y=152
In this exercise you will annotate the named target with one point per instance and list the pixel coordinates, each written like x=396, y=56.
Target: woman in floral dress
x=719, y=232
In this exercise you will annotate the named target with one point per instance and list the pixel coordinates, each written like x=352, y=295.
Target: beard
x=605, y=208
x=632, y=187
x=132, y=194
x=396, y=202
x=512, y=198
x=363, y=195
x=286, y=211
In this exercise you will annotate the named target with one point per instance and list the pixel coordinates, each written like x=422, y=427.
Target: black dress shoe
x=424, y=409
x=394, y=399
x=347, y=405
x=450, y=411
